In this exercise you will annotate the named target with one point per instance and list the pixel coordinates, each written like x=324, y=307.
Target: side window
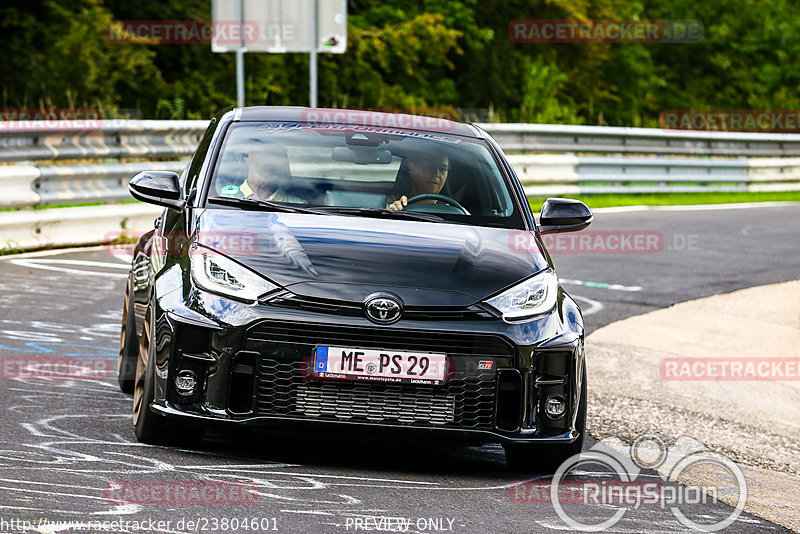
x=199, y=156
x=182, y=177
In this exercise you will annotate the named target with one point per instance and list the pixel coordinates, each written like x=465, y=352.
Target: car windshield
x=358, y=170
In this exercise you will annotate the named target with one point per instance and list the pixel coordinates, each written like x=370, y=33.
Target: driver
x=424, y=175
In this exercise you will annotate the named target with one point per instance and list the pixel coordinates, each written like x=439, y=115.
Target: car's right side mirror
x=564, y=215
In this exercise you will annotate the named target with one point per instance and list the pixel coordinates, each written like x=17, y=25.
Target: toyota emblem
x=382, y=309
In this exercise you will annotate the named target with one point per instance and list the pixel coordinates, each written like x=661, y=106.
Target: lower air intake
x=389, y=405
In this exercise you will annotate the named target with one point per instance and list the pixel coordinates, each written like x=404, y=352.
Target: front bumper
x=251, y=365
x=303, y=427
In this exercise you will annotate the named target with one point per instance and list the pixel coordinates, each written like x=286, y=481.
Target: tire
x=544, y=458
x=128, y=344
x=149, y=426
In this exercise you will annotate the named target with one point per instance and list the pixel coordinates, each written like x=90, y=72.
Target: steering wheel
x=433, y=196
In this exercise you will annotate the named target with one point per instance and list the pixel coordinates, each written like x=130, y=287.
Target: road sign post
x=281, y=26
x=240, y=57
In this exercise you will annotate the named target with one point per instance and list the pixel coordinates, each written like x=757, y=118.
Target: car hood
x=348, y=258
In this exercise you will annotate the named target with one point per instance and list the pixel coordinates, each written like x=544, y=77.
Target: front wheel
x=148, y=426
x=128, y=344
x=544, y=458
x=151, y=427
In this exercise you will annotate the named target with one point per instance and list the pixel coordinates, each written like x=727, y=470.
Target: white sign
x=280, y=26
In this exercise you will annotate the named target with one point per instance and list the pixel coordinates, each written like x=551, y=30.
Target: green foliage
x=10, y=247
x=543, y=83
x=415, y=55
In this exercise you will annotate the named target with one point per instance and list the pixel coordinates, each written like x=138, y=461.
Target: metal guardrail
x=115, y=138
x=616, y=140
x=543, y=175
x=26, y=186
x=156, y=138
x=679, y=161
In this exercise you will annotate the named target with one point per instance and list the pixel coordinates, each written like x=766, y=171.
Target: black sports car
x=324, y=270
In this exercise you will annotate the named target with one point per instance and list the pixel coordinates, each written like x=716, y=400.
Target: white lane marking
x=33, y=430
x=312, y=475
x=241, y=466
x=122, y=509
x=86, y=263
x=53, y=252
x=53, y=484
x=594, y=306
x=311, y=512
x=59, y=493
x=43, y=264
x=125, y=258
x=601, y=285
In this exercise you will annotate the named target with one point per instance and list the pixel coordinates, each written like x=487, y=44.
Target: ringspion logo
x=610, y=478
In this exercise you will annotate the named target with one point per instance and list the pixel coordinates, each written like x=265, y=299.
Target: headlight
x=535, y=296
x=214, y=272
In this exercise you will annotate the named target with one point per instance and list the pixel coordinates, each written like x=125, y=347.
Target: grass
x=605, y=201
x=78, y=205
x=10, y=247
x=673, y=199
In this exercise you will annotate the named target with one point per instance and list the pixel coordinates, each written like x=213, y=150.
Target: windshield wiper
x=375, y=212
x=254, y=203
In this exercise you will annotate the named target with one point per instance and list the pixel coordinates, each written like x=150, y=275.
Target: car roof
x=355, y=117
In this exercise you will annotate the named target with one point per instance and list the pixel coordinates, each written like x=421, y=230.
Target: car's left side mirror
x=161, y=188
x=564, y=215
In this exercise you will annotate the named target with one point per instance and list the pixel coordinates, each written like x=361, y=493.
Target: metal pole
x=240, y=59
x=312, y=57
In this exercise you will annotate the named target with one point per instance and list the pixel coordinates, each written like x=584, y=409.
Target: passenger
x=268, y=175
x=426, y=174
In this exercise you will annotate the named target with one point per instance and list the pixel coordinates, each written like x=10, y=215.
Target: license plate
x=380, y=365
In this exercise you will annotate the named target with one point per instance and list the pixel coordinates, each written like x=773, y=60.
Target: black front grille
x=266, y=334
x=356, y=309
x=284, y=387
x=465, y=402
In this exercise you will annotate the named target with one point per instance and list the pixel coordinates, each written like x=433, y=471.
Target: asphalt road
x=67, y=445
